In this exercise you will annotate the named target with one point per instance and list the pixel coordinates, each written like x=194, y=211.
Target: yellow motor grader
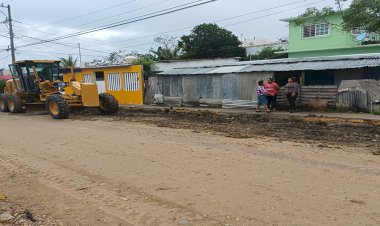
x=39, y=82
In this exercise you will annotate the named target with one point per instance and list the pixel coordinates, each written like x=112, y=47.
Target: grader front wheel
x=15, y=104
x=3, y=103
x=108, y=104
x=57, y=107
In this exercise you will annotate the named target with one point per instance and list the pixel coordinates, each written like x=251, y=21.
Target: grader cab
x=39, y=82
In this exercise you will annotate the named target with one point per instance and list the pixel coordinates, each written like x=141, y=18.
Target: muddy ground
x=280, y=127
x=164, y=167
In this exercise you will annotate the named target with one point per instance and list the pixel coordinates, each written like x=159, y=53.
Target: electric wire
x=5, y=57
x=121, y=23
x=86, y=14
x=185, y=28
x=216, y=21
x=123, y=13
x=272, y=14
x=176, y=30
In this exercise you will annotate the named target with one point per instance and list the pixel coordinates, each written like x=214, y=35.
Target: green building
x=327, y=38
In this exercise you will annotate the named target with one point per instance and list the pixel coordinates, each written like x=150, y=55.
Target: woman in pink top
x=272, y=89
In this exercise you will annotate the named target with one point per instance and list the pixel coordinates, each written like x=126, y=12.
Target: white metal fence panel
x=114, y=81
x=131, y=81
x=87, y=78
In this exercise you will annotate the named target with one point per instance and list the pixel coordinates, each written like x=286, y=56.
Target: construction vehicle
x=39, y=82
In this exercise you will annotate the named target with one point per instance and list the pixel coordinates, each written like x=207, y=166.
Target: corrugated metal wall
x=238, y=87
x=248, y=84
x=201, y=86
x=355, y=100
x=218, y=86
x=171, y=86
x=319, y=97
x=230, y=86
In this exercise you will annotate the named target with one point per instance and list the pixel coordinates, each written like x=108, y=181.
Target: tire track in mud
x=127, y=203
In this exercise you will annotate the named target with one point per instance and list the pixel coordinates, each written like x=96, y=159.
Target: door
x=99, y=79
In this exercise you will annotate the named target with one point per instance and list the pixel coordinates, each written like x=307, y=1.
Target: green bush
x=149, y=65
x=376, y=113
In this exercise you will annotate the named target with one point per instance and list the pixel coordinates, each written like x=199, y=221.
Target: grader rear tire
x=57, y=107
x=108, y=104
x=15, y=104
x=3, y=103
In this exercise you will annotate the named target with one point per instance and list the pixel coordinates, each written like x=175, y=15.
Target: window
x=99, y=76
x=87, y=78
x=113, y=81
x=315, y=30
x=131, y=81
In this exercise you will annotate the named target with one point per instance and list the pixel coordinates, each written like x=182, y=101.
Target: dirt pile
x=280, y=127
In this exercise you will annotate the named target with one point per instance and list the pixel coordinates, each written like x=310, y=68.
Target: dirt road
x=107, y=172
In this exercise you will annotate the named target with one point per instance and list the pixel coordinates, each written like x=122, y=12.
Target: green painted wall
x=337, y=42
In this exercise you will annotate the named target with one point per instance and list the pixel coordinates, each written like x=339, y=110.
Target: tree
x=69, y=62
x=168, y=49
x=148, y=63
x=116, y=57
x=266, y=53
x=210, y=41
x=363, y=14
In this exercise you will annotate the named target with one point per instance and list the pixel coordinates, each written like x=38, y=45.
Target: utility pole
x=80, y=56
x=11, y=34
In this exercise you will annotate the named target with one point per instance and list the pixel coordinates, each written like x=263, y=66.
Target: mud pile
x=280, y=127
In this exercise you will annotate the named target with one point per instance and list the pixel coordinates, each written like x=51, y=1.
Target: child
x=261, y=96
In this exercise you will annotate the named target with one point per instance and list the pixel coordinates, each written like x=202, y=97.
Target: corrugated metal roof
x=107, y=66
x=315, y=63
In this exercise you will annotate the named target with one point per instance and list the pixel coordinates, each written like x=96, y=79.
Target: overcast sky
x=44, y=19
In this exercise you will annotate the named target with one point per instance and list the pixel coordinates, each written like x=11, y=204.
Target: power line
x=215, y=21
x=3, y=12
x=6, y=2
x=229, y=18
x=260, y=11
x=121, y=23
x=272, y=14
x=134, y=10
x=180, y=29
x=59, y=53
x=5, y=57
x=64, y=44
x=312, y=3
x=144, y=7
x=8, y=21
x=112, y=24
x=89, y=13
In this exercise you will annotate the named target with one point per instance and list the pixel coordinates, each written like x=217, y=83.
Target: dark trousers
x=271, y=101
x=292, y=101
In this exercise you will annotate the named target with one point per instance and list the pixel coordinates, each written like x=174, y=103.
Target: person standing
x=291, y=91
x=261, y=96
x=272, y=89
